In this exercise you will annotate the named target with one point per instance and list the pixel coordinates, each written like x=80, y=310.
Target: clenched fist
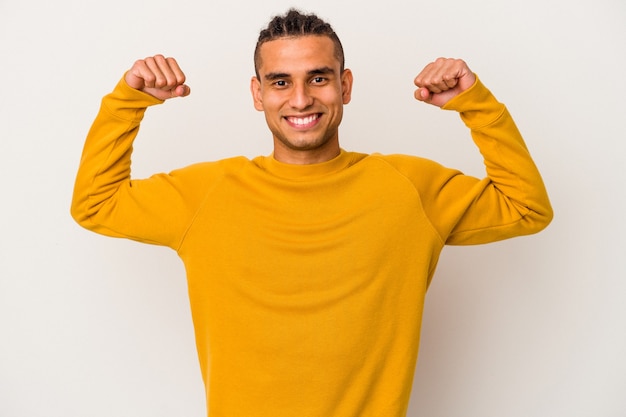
x=158, y=76
x=442, y=80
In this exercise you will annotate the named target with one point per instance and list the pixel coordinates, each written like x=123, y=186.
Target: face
x=302, y=90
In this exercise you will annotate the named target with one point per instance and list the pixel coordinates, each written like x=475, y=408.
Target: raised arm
x=105, y=198
x=511, y=200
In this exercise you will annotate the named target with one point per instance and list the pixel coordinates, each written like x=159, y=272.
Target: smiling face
x=302, y=90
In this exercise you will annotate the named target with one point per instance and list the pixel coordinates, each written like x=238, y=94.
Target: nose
x=301, y=97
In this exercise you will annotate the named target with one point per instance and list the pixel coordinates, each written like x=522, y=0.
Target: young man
x=307, y=269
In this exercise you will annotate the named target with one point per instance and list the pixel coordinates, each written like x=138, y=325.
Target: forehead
x=302, y=53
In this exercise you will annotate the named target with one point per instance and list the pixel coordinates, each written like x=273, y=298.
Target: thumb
x=182, y=90
x=423, y=94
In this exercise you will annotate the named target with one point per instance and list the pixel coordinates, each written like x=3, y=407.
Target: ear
x=255, y=89
x=346, y=86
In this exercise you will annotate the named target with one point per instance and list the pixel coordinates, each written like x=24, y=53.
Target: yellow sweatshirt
x=307, y=283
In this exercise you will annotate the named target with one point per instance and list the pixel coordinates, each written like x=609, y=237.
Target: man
x=307, y=269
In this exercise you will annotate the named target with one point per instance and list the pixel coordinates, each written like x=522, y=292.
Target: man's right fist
x=158, y=76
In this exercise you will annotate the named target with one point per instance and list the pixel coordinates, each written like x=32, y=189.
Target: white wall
x=535, y=326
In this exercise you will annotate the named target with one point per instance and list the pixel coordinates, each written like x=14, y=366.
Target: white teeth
x=300, y=121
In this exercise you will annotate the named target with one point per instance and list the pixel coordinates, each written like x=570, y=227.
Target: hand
x=158, y=76
x=442, y=80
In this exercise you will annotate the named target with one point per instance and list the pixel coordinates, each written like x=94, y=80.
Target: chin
x=305, y=145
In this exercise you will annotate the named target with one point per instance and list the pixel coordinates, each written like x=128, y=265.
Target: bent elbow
x=78, y=213
x=82, y=210
x=538, y=220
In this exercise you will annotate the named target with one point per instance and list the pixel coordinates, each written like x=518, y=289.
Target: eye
x=280, y=83
x=318, y=80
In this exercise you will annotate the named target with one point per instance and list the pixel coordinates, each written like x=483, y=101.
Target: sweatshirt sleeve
x=156, y=210
x=511, y=200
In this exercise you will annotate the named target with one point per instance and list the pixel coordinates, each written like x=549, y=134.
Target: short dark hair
x=296, y=24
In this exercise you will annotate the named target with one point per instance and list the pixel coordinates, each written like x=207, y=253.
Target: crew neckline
x=305, y=172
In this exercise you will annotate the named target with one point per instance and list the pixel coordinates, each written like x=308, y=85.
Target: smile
x=303, y=121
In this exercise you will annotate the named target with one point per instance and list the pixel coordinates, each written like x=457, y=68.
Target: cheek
x=333, y=98
x=270, y=103
x=334, y=101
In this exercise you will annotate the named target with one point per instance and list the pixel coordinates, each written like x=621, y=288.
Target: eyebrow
x=317, y=71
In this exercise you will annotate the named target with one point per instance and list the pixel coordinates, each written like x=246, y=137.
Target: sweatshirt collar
x=296, y=172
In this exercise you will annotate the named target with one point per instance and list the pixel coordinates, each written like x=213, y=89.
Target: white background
x=535, y=326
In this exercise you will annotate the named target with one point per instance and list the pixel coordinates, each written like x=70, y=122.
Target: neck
x=306, y=156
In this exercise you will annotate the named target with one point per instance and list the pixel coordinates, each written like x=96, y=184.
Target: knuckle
x=149, y=78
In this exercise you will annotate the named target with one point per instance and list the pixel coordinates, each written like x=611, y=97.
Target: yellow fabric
x=307, y=283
